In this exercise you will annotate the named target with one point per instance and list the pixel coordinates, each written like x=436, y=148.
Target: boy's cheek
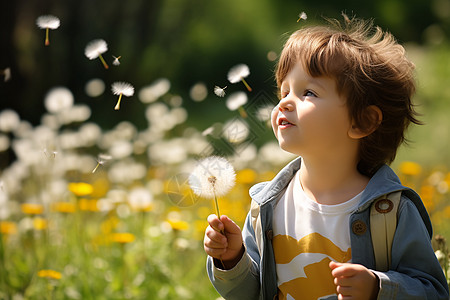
x=273, y=119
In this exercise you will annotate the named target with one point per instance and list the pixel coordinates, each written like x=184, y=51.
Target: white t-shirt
x=307, y=236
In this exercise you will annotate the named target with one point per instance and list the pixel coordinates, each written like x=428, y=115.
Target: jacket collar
x=384, y=181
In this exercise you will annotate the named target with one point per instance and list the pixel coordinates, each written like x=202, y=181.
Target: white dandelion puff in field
x=101, y=160
x=212, y=177
x=7, y=74
x=95, y=49
x=58, y=99
x=220, y=92
x=121, y=88
x=302, y=16
x=116, y=61
x=238, y=73
x=236, y=101
x=47, y=22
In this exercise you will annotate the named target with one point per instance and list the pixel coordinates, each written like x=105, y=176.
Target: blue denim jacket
x=415, y=272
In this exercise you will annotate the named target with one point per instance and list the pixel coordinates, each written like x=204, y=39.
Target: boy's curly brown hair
x=370, y=68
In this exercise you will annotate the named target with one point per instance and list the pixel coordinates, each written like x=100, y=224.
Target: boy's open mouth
x=284, y=121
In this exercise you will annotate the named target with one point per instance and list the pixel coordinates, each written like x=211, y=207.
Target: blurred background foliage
x=188, y=42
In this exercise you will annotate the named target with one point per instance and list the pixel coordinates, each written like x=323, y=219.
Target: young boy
x=345, y=105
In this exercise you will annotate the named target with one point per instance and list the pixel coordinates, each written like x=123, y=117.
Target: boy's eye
x=309, y=93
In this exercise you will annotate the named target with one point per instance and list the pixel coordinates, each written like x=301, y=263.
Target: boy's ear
x=373, y=117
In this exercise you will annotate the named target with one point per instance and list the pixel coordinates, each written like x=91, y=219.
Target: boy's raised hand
x=354, y=281
x=227, y=247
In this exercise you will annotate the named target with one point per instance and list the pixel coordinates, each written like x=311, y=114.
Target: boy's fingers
x=230, y=226
x=333, y=265
x=215, y=223
x=215, y=236
x=343, y=270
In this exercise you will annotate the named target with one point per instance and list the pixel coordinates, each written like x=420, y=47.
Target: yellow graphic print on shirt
x=318, y=281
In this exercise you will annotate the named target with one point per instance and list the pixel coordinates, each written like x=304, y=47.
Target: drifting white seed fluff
x=123, y=88
x=238, y=72
x=48, y=21
x=95, y=48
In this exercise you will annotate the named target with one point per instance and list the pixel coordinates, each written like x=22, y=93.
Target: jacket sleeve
x=415, y=271
x=241, y=282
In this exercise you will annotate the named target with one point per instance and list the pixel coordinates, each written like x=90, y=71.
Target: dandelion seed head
x=48, y=21
x=152, y=92
x=116, y=61
x=302, y=16
x=95, y=48
x=140, y=199
x=212, y=177
x=123, y=88
x=220, y=92
x=236, y=100
x=7, y=74
x=58, y=99
x=103, y=158
x=94, y=87
x=198, y=92
x=236, y=131
x=9, y=120
x=4, y=142
x=238, y=72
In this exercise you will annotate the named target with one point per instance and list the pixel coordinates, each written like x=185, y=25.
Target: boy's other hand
x=223, y=240
x=354, y=281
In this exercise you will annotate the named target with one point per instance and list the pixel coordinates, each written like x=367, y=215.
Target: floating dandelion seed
x=116, y=61
x=122, y=88
x=95, y=49
x=47, y=22
x=302, y=16
x=101, y=160
x=236, y=101
x=238, y=73
x=211, y=178
x=219, y=91
x=7, y=74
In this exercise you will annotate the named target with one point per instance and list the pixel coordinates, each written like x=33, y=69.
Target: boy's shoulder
x=264, y=191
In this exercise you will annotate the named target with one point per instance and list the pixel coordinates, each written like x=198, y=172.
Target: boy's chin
x=288, y=148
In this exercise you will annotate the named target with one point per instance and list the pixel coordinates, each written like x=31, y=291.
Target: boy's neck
x=331, y=182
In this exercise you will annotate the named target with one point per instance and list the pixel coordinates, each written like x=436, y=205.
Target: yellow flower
x=32, y=208
x=247, y=176
x=7, y=227
x=40, y=223
x=88, y=204
x=64, y=207
x=410, y=168
x=178, y=224
x=51, y=274
x=81, y=188
x=109, y=224
x=122, y=237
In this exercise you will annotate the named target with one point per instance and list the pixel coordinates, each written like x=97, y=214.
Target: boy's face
x=311, y=119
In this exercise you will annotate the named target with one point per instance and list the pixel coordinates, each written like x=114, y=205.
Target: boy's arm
x=242, y=281
x=418, y=274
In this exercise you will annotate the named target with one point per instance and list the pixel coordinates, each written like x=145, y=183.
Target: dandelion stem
x=96, y=167
x=217, y=206
x=242, y=112
x=118, y=103
x=246, y=84
x=103, y=61
x=47, y=40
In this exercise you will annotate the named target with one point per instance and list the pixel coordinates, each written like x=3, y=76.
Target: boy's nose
x=285, y=105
